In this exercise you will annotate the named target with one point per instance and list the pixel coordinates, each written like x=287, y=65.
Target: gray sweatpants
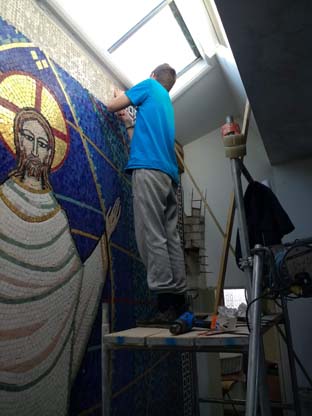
x=155, y=221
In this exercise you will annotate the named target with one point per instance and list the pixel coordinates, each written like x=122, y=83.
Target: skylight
x=159, y=40
x=138, y=35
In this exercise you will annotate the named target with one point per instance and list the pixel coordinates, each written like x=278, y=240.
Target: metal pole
x=256, y=377
x=196, y=407
x=242, y=224
x=292, y=366
x=265, y=404
x=105, y=363
x=106, y=380
x=254, y=337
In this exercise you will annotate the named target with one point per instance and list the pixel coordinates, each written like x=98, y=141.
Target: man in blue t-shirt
x=155, y=177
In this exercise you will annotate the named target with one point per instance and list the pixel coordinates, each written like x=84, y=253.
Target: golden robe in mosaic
x=47, y=302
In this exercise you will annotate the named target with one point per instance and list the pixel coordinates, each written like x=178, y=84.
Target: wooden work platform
x=196, y=340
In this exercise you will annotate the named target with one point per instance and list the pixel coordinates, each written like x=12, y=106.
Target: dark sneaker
x=160, y=319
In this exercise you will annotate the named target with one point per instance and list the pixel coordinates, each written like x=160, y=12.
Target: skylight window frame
x=137, y=26
x=186, y=77
x=180, y=21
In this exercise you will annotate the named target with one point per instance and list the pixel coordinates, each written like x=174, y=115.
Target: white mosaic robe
x=43, y=327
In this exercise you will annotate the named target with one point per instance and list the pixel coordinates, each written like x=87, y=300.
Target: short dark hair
x=165, y=75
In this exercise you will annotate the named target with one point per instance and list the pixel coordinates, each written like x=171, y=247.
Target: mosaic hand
x=112, y=218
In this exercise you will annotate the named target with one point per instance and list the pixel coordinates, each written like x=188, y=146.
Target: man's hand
x=118, y=92
x=126, y=117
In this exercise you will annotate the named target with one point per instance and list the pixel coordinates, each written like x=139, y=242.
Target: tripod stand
x=256, y=362
x=253, y=263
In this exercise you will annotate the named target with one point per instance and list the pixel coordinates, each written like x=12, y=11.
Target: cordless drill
x=186, y=322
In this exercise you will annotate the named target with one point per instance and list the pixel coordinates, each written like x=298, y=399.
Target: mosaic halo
x=19, y=90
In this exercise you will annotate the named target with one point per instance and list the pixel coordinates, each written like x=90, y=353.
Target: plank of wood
x=237, y=338
x=165, y=338
x=131, y=336
x=179, y=152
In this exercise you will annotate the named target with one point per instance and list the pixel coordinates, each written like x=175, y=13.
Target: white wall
x=231, y=75
x=292, y=183
x=200, y=109
x=210, y=168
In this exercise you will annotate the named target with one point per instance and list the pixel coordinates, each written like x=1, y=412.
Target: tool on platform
x=186, y=322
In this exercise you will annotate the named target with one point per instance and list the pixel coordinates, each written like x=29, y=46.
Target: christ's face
x=35, y=148
x=34, y=141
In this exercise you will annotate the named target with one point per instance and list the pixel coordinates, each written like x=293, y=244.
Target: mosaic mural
x=66, y=246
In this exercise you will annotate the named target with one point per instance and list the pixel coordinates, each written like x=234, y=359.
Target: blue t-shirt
x=152, y=144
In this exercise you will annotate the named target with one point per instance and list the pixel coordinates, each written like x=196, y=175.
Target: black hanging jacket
x=267, y=221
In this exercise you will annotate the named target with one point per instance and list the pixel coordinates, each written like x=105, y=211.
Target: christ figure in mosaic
x=48, y=298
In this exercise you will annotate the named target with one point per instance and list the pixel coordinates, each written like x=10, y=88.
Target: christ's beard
x=33, y=167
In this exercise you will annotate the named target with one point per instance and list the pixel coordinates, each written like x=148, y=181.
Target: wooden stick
x=225, y=254
x=246, y=119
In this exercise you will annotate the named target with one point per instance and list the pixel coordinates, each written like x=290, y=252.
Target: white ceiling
x=203, y=107
x=270, y=42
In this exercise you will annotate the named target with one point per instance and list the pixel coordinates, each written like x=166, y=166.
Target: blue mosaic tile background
x=74, y=187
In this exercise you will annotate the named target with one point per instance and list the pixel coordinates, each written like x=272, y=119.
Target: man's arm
x=118, y=103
